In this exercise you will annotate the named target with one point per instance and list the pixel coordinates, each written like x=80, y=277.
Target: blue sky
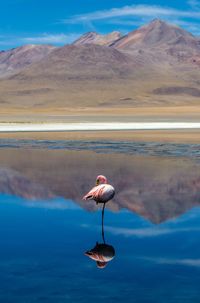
x=60, y=22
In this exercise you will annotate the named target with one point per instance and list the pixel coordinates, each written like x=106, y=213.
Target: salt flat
x=45, y=127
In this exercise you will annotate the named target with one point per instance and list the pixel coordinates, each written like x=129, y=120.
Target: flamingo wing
x=95, y=193
x=101, y=193
x=91, y=194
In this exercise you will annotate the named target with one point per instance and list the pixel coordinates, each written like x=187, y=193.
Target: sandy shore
x=171, y=136
x=101, y=114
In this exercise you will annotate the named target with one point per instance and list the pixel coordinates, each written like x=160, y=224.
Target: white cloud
x=133, y=11
x=55, y=39
x=137, y=15
x=51, y=38
x=191, y=26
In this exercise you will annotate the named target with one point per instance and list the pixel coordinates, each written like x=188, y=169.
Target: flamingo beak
x=97, y=182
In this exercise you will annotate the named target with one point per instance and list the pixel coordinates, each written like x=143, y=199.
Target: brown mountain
x=160, y=37
x=141, y=68
x=16, y=59
x=71, y=75
x=95, y=38
x=156, y=34
x=79, y=61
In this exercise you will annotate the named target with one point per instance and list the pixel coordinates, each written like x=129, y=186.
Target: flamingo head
x=101, y=264
x=101, y=180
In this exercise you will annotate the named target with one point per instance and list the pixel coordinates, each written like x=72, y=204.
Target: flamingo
x=102, y=192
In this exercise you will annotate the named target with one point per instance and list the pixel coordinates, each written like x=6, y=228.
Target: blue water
x=42, y=255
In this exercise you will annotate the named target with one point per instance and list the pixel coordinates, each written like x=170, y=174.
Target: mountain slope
x=79, y=61
x=156, y=34
x=16, y=59
x=95, y=38
x=160, y=38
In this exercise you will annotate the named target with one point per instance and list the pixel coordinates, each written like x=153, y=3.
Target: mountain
x=16, y=59
x=86, y=61
x=141, y=68
x=71, y=75
x=160, y=38
x=95, y=38
x=156, y=34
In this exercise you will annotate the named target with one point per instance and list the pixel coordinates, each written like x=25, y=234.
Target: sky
x=62, y=21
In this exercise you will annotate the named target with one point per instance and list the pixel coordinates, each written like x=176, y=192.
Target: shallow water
x=124, y=147
x=153, y=224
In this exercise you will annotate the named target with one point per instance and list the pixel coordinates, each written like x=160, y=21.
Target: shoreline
x=189, y=136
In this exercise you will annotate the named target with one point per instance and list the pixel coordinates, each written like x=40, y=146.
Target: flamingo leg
x=102, y=223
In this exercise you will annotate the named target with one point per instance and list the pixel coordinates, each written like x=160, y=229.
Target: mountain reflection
x=156, y=188
x=102, y=253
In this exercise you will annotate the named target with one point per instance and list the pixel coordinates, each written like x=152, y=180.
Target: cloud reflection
x=171, y=261
x=148, y=232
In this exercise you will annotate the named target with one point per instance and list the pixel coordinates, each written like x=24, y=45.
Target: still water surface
x=151, y=228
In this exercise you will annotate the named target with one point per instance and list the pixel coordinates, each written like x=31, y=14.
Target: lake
x=149, y=245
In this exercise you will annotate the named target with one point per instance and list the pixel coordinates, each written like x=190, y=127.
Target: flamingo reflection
x=102, y=253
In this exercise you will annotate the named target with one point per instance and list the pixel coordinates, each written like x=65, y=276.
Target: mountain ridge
x=95, y=38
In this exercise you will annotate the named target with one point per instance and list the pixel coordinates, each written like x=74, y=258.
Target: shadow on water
x=102, y=253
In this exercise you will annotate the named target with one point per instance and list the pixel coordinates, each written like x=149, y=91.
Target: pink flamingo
x=102, y=192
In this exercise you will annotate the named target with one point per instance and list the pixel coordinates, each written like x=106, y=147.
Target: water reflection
x=43, y=234
x=42, y=260
x=155, y=188
x=102, y=253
